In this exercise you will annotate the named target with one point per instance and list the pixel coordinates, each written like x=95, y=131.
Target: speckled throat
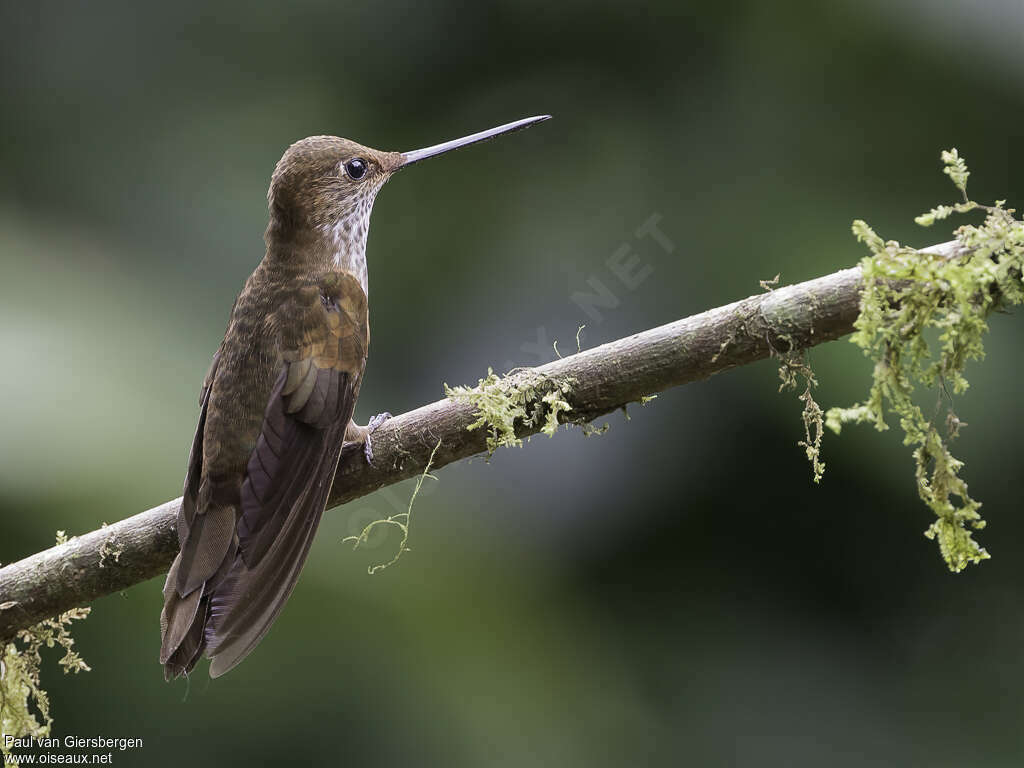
x=345, y=240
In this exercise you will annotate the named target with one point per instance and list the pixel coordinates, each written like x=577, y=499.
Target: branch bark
x=606, y=378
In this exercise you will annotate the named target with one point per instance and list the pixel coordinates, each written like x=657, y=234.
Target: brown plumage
x=277, y=403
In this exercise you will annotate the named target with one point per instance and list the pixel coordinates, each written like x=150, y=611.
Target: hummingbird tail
x=181, y=625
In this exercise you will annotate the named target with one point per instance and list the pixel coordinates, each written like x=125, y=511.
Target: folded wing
x=231, y=581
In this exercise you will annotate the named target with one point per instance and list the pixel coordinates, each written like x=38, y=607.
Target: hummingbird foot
x=356, y=434
x=375, y=422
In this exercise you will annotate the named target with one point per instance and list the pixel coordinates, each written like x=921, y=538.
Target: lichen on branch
x=524, y=397
x=794, y=368
x=24, y=703
x=401, y=520
x=909, y=297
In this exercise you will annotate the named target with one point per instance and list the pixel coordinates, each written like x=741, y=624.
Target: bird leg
x=361, y=435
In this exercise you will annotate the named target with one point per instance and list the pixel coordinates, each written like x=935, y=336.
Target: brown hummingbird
x=276, y=405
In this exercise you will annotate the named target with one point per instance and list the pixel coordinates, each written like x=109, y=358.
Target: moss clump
x=527, y=397
x=24, y=704
x=908, y=293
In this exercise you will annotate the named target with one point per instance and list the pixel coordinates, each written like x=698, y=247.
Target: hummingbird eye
x=356, y=168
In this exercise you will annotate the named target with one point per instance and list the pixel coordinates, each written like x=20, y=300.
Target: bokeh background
x=676, y=591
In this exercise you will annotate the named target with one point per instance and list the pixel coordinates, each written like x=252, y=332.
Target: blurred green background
x=676, y=591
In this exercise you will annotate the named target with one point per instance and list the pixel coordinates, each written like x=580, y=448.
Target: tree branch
x=605, y=378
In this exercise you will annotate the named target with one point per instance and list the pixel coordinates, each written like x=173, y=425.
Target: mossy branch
x=952, y=287
x=891, y=300
x=603, y=379
x=24, y=703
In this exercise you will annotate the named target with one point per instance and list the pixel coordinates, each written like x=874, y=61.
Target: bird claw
x=375, y=422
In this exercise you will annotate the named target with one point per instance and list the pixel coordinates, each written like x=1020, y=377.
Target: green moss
x=910, y=296
x=578, y=347
x=402, y=521
x=525, y=397
x=110, y=549
x=794, y=368
x=24, y=704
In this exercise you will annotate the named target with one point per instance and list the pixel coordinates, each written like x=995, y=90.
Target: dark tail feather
x=184, y=656
x=181, y=626
x=186, y=605
x=245, y=604
x=186, y=611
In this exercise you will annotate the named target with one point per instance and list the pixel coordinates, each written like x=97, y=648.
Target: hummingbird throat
x=345, y=240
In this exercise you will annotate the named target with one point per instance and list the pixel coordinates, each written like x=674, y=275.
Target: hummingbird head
x=321, y=181
x=323, y=189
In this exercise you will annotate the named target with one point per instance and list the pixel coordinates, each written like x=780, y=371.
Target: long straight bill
x=420, y=154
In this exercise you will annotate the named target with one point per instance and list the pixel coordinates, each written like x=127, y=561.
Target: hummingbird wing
x=292, y=467
x=324, y=335
x=182, y=633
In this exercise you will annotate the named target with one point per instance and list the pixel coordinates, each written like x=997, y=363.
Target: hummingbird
x=276, y=405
